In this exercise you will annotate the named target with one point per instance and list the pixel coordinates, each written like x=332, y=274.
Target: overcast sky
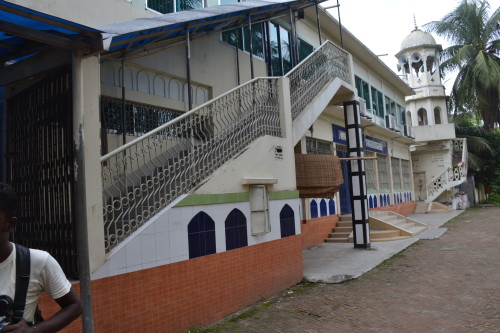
x=383, y=24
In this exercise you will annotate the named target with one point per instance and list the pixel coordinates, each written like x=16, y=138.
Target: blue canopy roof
x=24, y=32
x=174, y=26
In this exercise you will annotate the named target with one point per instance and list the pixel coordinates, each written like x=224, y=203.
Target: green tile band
x=214, y=199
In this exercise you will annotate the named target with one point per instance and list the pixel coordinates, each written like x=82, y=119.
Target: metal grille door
x=40, y=167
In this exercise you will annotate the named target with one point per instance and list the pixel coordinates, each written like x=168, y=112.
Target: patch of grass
x=399, y=255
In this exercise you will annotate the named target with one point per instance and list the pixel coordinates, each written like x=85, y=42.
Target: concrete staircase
x=422, y=207
x=390, y=221
x=342, y=231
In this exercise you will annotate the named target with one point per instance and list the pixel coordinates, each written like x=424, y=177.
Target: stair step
x=336, y=240
x=342, y=229
x=339, y=235
x=384, y=234
x=346, y=218
x=344, y=224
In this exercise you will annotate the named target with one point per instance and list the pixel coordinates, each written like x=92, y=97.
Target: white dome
x=416, y=38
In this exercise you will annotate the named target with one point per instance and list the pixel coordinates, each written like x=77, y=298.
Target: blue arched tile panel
x=236, y=230
x=201, y=235
x=314, y=208
x=323, y=208
x=287, y=221
x=331, y=207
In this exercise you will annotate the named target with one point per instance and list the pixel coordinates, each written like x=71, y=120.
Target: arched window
x=331, y=207
x=287, y=221
x=236, y=230
x=437, y=115
x=314, y=209
x=375, y=201
x=322, y=208
x=201, y=235
x=422, y=117
x=370, y=202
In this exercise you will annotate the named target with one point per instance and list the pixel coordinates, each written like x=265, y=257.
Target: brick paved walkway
x=450, y=284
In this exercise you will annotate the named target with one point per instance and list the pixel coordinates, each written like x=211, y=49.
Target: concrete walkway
x=338, y=262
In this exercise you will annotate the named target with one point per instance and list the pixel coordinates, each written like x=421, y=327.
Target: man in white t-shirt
x=45, y=276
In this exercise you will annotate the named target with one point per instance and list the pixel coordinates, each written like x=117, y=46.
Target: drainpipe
x=340, y=26
x=80, y=196
x=188, y=69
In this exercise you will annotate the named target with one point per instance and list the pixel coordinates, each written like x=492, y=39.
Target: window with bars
x=405, y=170
x=315, y=146
x=383, y=180
x=378, y=102
x=241, y=37
x=363, y=91
x=396, y=174
x=140, y=118
x=371, y=176
x=170, y=6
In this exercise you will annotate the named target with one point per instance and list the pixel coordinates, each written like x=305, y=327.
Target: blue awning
x=24, y=32
x=172, y=27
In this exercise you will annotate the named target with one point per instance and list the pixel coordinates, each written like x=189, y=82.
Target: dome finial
x=415, y=22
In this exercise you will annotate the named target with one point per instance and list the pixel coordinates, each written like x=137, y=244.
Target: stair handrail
x=311, y=75
x=453, y=175
x=145, y=175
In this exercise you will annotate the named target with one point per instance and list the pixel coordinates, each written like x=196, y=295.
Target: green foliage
x=475, y=39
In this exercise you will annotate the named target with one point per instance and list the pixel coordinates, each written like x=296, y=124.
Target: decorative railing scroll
x=311, y=75
x=145, y=175
x=451, y=176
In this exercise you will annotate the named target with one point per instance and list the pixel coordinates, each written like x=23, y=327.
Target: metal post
x=340, y=25
x=293, y=48
x=188, y=69
x=251, y=46
x=80, y=197
x=318, y=23
x=357, y=175
x=124, y=112
x=237, y=55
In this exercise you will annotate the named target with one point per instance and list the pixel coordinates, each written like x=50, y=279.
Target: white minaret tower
x=418, y=60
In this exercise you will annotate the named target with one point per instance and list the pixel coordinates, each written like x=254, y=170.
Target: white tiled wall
x=164, y=239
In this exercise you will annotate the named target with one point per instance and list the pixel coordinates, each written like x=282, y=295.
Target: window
x=422, y=117
x=370, y=171
x=396, y=174
x=405, y=170
x=168, y=6
x=281, y=57
x=141, y=118
x=236, y=230
x=323, y=208
x=437, y=116
x=241, y=37
x=315, y=146
x=390, y=106
x=314, y=209
x=382, y=172
x=287, y=221
x=201, y=235
x=305, y=49
x=378, y=102
x=363, y=91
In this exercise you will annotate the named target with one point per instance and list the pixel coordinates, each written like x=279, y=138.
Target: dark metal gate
x=40, y=167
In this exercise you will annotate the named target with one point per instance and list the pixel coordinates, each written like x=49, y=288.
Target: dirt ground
x=450, y=284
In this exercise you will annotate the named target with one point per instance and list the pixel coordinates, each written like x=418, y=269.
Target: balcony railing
x=309, y=77
x=145, y=175
x=452, y=176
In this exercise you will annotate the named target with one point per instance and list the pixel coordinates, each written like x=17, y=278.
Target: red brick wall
x=405, y=208
x=191, y=293
x=314, y=231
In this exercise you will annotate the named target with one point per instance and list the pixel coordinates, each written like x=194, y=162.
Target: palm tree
x=476, y=40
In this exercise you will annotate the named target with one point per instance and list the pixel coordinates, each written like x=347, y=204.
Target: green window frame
x=241, y=37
